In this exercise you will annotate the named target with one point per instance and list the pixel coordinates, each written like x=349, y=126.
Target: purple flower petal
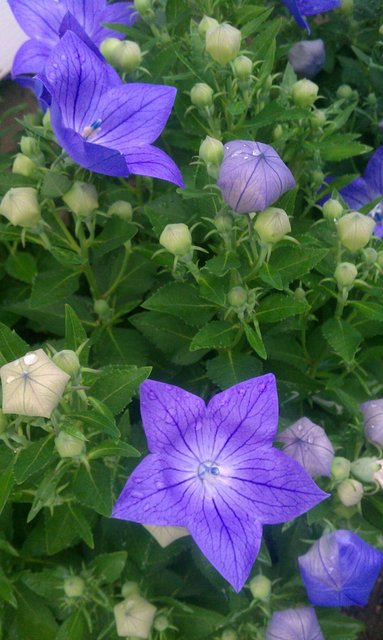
x=145, y=160
x=30, y=58
x=340, y=570
x=252, y=176
x=294, y=624
x=293, y=7
x=301, y=8
x=308, y=444
x=40, y=19
x=118, y=13
x=357, y=193
x=69, y=23
x=373, y=174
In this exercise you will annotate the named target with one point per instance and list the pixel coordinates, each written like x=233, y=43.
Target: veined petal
x=373, y=174
x=147, y=160
x=294, y=624
x=70, y=23
x=244, y=415
x=228, y=536
x=313, y=7
x=168, y=413
x=134, y=114
x=357, y=193
x=119, y=13
x=88, y=13
x=40, y=19
x=31, y=57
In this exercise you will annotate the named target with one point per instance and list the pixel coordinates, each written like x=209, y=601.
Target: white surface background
x=11, y=37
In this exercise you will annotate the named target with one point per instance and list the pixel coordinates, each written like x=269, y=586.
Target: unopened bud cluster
x=176, y=238
x=211, y=152
x=222, y=41
x=272, y=225
x=125, y=55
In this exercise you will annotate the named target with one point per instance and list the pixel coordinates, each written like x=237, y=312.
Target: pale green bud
x=332, y=209
x=74, y=587
x=68, y=446
x=237, y=297
x=206, y=24
x=121, y=209
x=304, y=93
x=345, y=274
x=380, y=258
x=277, y=132
x=340, y=469
x=102, y=309
x=108, y=48
x=223, y=43
x=229, y=634
x=365, y=468
x=242, y=66
x=350, y=492
x=344, y=91
x=161, y=623
x=318, y=118
x=176, y=238
x=24, y=166
x=68, y=361
x=127, y=56
x=272, y=225
x=355, y=230
x=128, y=588
x=211, y=151
x=260, y=588
x=299, y=293
x=201, y=95
x=224, y=223
x=347, y=6
x=370, y=255
x=47, y=120
x=81, y=199
x=143, y=6
x=29, y=146
x=381, y=30
x=317, y=177
x=21, y=207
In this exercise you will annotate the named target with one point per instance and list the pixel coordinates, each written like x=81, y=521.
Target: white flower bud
x=242, y=66
x=68, y=361
x=21, y=207
x=29, y=146
x=237, y=297
x=161, y=623
x=365, y=468
x=206, y=24
x=355, y=230
x=304, y=93
x=211, y=151
x=166, y=535
x=370, y=255
x=260, y=588
x=127, y=56
x=345, y=274
x=176, y=238
x=134, y=617
x=332, y=209
x=23, y=166
x=318, y=118
x=344, y=91
x=128, y=588
x=81, y=199
x=108, y=47
x=121, y=209
x=272, y=225
x=340, y=469
x=32, y=385
x=223, y=43
x=74, y=587
x=201, y=95
x=350, y=492
x=68, y=446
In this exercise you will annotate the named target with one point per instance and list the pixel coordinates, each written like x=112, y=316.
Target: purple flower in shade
x=252, y=176
x=294, y=624
x=213, y=470
x=42, y=21
x=363, y=190
x=104, y=125
x=308, y=444
x=307, y=57
x=340, y=570
x=301, y=8
x=373, y=421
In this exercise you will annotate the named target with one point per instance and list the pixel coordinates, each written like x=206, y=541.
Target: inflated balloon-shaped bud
x=144, y=7
x=373, y=421
x=21, y=207
x=211, y=151
x=127, y=56
x=304, y=93
x=74, y=587
x=206, y=24
x=176, y=238
x=345, y=274
x=272, y=225
x=365, y=468
x=134, y=617
x=24, y=166
x=309, y=445
x=242, y=67
x=237, y=297
x=223, y=43
x=260, y=588
x=355, y=230
x=161, y=623
x=108, y=48
x=81, y=199
x=332, y=209
x=68, y=361
x=201, y=95
x=68, y=446
x=307, y=57
x=344, y=91
x=318, y=118
x=350, y=492
x=121, y=209
x=128, y=588
x=340, y=469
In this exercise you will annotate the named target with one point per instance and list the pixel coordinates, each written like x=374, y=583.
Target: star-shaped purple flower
x=294, y=624
x=42, y=20
x=301, y=8
x=309, y=445
x=105, y=125
x=340, y=570
x=213, y=470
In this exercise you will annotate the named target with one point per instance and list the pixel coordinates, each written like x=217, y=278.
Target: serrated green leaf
x=218, y=334
x=52, y=286
x=196, y=623
x=109, y=566
x=110, y=448
x=295, y=261
x=372, y=510
x=33, y=458
x=94, y=488
x=277, y=307
x=254, y=339
x=336, y=626
x=98, y=419
x=370, y=310
x=55, y=185
x=341, y=146
x=342, y=337
x=169, y=334
x=11, y=345
x=75, y=334
x=21, y=266
x=74, y=627
x=116, y=385
x=82, y=524
x=272, y=114
x=34, y=620
x=229, y=368
x=121, y=346
x=181, y=300
x=61, y=529
x=113, y=235
x=270, y=276
x=220, y=265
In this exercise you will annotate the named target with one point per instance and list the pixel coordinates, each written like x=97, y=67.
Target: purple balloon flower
x=309, y=445
x=373, y=421
x=363, y=190
x=213, y=470
x=340, y=570
x=301, y=8
x=42, y=20
x=307, y=57
x=294, y=624
x=252, y=176
x=104, y=125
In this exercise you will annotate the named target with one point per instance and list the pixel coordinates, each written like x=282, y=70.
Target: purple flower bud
x=340, y=569
x=252, y=176
x=294, y=624
x=307, y=57
x=373, y=421
x=308, y=444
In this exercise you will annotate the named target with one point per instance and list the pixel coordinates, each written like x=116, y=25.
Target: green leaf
x=6, y=483
x=169, y=334
x=116, y=385
x=55, y=185
x=34, y=620
x=340, y=146
x=336, y=626
x=82, y=524
x=94, y=488
x=218, y=334
x=6, y=590
x=342, y=337
x=110, y=448
x=109, y=566
x=229, y=368
x=98, y=419
x=181, y=300
x=295, y=261
x=22, y=266
x=121, y=346
x=11, y=345
x=219, y=265
x=75, y=334
x=113, y=235
x=53, y=286
x=33, y=458
x=74, y=627
x=372, y=510
x=61, y=529
x=254, y=339
x=277, y=307
x=272, y=114
x=270, y=276
x=371, y=310
x=196, y=623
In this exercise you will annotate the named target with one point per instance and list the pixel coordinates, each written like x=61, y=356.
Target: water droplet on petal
x=10, y=379
x=372, y=426
x=136, y=494
x=169, y=419
x=310, y=439
x=30, y=358
x=63, y=57
x=146, y=507
x=159, y=484
x=151, y=395
x=55, y=65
